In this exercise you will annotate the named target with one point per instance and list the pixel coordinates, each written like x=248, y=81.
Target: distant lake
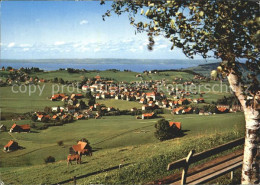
x=137, y=65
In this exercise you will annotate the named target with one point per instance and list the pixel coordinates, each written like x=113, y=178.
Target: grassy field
x=120, y=104
x=116, y=75
x=23, y=102
x=115, y=139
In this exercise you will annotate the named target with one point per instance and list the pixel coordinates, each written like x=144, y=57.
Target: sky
x=73, y=29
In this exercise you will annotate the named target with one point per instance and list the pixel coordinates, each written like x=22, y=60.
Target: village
x=77, y=115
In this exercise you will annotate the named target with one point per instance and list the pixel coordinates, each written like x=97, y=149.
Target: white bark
x=250, y=169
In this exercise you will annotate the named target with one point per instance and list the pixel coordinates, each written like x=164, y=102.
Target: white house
x=85, y=87
x=55, y=109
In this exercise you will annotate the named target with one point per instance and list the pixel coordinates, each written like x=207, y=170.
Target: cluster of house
x=199, y=77
x=151, y=100
x=21, y=76
x=73, y=107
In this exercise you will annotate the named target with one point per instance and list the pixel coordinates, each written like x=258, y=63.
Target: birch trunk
x=251, y=161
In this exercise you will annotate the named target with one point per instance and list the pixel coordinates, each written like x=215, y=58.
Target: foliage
x=47, y=110
x=91, y=101
x=88, y=95
x=34, y=117
x=164, y=131
x=60, y=143
x=33, y=125
x=55, y=80
x=228, y=30
x=49, y=159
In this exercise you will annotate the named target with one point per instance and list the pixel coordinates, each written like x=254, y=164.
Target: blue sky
x=72, y=29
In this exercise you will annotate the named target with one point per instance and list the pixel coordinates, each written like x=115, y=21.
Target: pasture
x=116, y=140
x=117, y=76
x=120, y=104
x=22, y=102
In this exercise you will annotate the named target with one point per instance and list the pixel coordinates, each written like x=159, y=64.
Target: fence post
x=186, y=167
x=232, y=175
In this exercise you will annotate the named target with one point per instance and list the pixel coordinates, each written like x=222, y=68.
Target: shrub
x=197, y=110
x=60, y=143
x=34, y=117
x=33, y=125
x=164, y=131
x=49, y=159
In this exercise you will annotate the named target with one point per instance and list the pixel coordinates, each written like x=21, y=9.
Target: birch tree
x=225, y=30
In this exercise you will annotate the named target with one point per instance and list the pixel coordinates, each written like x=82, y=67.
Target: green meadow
x=18, y=100
x=114, y=75
x=116, y=140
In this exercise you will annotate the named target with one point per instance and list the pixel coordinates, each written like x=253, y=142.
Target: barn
x=20, y=128
x=148, y=115
x=177, y=124
x=11, y=146
x=80, y=148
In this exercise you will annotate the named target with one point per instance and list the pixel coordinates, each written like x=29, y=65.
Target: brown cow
x=73, y=157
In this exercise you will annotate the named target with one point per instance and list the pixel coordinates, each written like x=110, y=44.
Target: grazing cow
x=73, y=157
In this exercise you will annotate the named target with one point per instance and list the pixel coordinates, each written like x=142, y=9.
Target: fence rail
x=227, y=164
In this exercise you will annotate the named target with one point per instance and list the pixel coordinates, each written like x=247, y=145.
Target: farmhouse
x=41, y=81
x=20, y=128
x=177, y=124
x=80, y=148
x=143, y=101
x=79, y=117
x=153, y=95
x=76, y=96
x=188, y=110
x=41, y=117
x=11, y=146
x=111, y=109
x=57, y=97
x=183, y=101
x=223, y=109
x=148, y=115
x=118, y=96
x=2, y=128
x=177, y=110
x=55, y=109
x=55, y=117
x=85, y=88
x=133, y=109
x=97, y=77
x=150, y=103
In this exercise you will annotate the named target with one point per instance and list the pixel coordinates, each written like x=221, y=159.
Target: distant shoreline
x=135, y=65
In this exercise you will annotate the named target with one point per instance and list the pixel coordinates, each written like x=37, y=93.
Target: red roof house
x=177, y=124
x=20, y=128
x=11, y=146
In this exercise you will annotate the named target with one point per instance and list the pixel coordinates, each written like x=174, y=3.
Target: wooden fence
x=210, y=170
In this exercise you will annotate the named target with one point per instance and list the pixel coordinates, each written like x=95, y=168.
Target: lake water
x=103, y=64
